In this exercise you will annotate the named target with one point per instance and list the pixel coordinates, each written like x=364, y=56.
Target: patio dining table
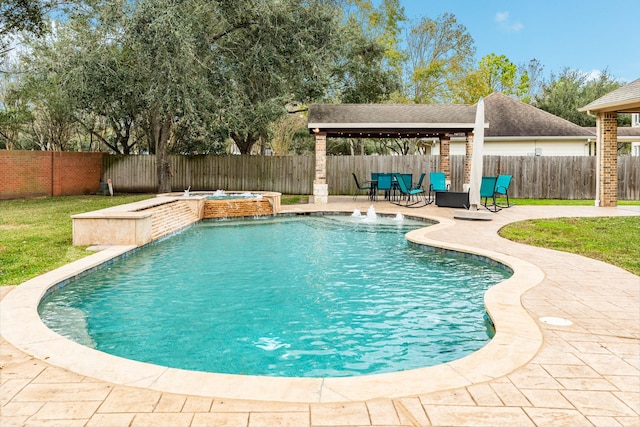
x=387, y=182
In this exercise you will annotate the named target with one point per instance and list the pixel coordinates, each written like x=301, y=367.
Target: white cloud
x=592, y=75
x=505, y=23
x=502, y=17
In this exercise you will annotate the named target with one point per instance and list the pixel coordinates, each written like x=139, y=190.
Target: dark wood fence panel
x=629, y=178
x=541, y=177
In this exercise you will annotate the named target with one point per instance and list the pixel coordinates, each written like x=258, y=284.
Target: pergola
x=605, y=109
x=387, y=121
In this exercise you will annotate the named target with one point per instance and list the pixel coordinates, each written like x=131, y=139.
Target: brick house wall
x=46, y=173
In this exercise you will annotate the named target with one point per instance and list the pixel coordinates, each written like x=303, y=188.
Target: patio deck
x=584, y=374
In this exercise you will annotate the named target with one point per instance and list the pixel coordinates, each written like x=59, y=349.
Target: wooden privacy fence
x=542, y=177
x=284, y=174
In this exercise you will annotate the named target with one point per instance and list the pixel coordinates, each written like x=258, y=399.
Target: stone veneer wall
x=141, y=222
x=238, y=208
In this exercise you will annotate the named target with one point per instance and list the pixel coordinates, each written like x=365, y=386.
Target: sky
x=560, y=34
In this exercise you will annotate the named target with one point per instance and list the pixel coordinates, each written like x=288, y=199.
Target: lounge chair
x=408, y=193
x=502, y=189
x=437, y=182
x=359, y=188
x=488, y=190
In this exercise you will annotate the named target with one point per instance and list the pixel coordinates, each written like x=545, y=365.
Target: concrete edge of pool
x=517, y=340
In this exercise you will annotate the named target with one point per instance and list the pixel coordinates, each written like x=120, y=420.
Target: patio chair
x=419, y=183
x=359, y=188
x=408, y=181
x=502, y=189
x=385, y=183
x=437, y=182
x=409, y=194
x=488, y=190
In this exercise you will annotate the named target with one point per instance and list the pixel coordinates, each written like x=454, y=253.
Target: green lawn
x=36, y=234
x=557, y=202
x=610, y=239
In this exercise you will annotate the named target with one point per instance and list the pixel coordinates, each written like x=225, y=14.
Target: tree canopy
x=572, y=89
x=214, y=76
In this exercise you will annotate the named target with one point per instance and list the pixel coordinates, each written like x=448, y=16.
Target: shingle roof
x=392, y=113
x=506, y=117
x=624, y=131
x=391, y=118
x=622, y=100
x=511, y=117
x=629, y=131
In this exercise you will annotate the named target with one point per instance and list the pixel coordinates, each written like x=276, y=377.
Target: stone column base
x=320, y=194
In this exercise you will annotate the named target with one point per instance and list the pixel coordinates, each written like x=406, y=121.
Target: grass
x=557, y=202
x=288, y=199
x=613, y=240
x=36, y=234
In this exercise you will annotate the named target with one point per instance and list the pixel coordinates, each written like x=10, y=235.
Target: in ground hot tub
x=142, y=222
x=234, y=204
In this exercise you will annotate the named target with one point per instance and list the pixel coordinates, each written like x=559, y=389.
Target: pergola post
x=625, y=99
x=607, y=179
x=320, y=186
x=467, y=159
x=445, y=140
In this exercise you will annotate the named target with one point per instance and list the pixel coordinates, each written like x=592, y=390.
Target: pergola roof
x=504, y=117
x=622, y=100
x=390, y=120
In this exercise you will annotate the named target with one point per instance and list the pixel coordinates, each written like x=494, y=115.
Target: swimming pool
x=291, y=312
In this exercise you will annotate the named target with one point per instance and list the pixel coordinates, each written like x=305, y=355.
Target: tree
x=104, y=77
x=21, y=15
x=361, y=74
x=498, y=74
x=14, y=113
x=440, y=53
x=369, y=64
x=533, y=69
x=563, y=95
x=284, y=130
x=235, y=62
x=495, y=73
x=281, y=58
x=41, y=87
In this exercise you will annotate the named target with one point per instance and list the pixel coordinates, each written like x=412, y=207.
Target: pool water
x=312, y=296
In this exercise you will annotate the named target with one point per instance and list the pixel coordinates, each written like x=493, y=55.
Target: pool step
x=171, y=217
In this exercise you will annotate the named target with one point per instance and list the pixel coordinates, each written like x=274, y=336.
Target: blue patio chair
x=409, y=194
x=385, y=184
x=408, y=179
x=419, y=183
x=360, y=188
x=502, y=189
x=488, y=190
x=374, y=185
x=408, y=182
x=437, y=182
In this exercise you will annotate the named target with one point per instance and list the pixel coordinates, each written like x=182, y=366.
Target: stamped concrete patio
x=584, y=374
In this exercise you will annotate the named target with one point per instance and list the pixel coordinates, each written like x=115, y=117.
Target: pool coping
x=517, y=340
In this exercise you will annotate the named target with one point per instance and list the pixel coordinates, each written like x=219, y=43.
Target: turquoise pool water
x=313, y=296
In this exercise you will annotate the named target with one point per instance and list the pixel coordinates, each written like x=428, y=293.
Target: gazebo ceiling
x=390, y=120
